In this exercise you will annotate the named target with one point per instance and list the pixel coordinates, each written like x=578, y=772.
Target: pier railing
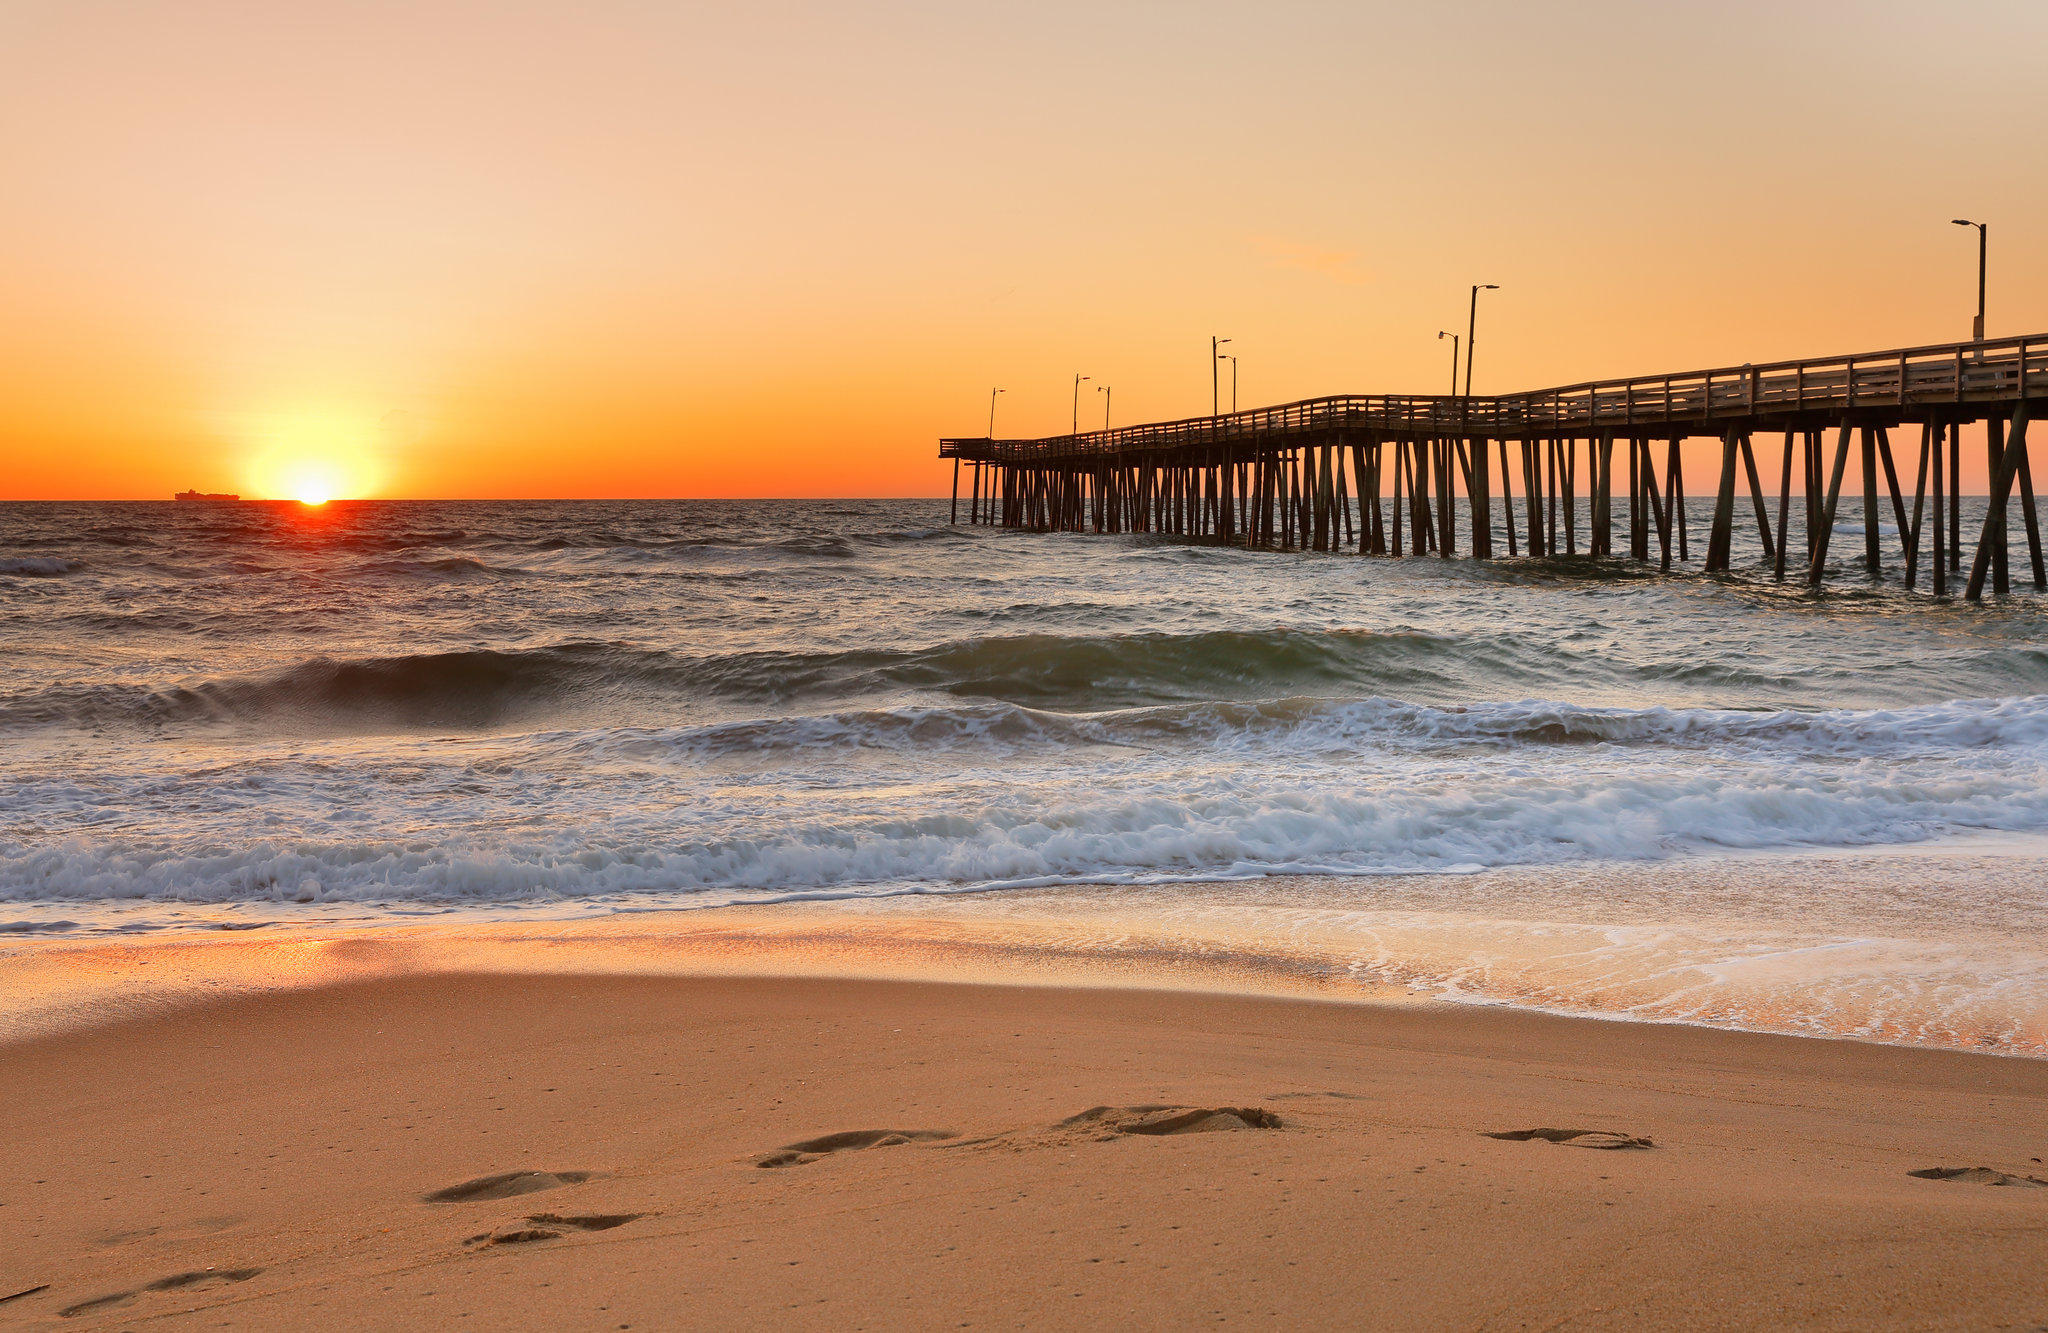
x=2002, y=370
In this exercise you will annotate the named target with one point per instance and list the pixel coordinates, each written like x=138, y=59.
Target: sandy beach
x=550, y=1151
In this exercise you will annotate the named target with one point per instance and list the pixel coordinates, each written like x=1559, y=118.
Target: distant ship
x=203, y=495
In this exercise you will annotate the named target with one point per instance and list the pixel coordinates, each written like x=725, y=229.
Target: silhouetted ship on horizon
x=203, y=495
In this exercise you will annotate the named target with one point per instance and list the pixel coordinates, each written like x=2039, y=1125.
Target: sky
x=526, y=249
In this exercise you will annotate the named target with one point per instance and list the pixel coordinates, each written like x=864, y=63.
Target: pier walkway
x=1285, y=476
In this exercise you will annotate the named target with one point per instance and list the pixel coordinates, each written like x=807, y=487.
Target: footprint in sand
x=1099, y=1122
x=851, y=1140
x=1577, y=1138
x=550, y=1226
x=1158, y=1120
x=212, y=1277
x=1978, y=1175
x=507, y=1185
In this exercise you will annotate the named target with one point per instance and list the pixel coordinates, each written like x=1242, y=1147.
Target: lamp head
x=1962, y=222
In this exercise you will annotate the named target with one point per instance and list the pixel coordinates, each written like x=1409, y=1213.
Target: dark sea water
x=247, y=712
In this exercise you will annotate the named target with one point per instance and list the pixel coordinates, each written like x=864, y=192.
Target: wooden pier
x=1285, y=477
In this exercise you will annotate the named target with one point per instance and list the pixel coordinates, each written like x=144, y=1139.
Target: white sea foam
x=547, y=710
x=987, y=796
x=39, y=566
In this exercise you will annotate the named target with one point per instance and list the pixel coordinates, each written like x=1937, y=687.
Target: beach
x=788, y=667
x=269, y=1160
x=604, y=915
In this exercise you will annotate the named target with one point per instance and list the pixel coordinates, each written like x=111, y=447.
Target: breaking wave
x=40, y=566
x=488, y=687
x=700, y=841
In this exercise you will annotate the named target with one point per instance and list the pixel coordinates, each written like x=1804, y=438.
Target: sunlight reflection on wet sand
x=1727, y=942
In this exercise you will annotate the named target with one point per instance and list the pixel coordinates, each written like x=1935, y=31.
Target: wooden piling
x=1919, y=499
x=1638, y=534
x=1818, y=565
x=2008, y=454
x=1784, y=510
x=2026, y=485
x=1507, y=497
x=1600, y=452
x=1756, y=495
x=1720, y=536
x=1674, y=494
x=1937, y=553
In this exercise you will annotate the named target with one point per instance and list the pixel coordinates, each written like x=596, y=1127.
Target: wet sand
x=668, y=1151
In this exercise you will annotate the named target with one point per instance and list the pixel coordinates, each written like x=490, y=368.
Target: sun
x=312, y=460
x=312, y=482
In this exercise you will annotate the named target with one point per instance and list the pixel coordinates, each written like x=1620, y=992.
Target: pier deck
x=1285, y=476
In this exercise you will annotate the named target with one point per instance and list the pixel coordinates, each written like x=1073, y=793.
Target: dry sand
x=309, y=1158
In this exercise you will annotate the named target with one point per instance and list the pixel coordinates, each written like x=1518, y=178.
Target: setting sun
x=313, y=461
x=312, y=483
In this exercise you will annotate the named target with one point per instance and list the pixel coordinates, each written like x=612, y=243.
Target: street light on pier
x=1103, y=389
x=1983, y=232
x=1472, y=329
x=1078, y=381
x=1233, y=384
x=992, y=412
x=1440, y=336
x=1215, y=390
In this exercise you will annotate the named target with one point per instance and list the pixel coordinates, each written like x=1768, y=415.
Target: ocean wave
x=453, y=567
x=479, y=687
x=1162, y=828
x=1064, y=673
x=458, y=689
x=643, y=547
x=40, y=566
x=1318, y=726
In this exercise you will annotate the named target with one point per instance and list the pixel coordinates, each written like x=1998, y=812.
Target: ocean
x=1586, y=787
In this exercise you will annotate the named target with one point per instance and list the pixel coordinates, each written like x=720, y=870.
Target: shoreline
x=272, y=1160
x=1527, y=939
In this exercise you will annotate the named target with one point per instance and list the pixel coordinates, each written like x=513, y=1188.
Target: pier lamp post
x=1472, y=329
x=1983, y=230
x=992, y=412
x=1103, y=389
x=1079, y=380
x=1215, y=390
x=1233, y=384
x=1440, y=336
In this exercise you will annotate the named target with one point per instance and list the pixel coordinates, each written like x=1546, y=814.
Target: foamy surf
x=580, y=711
x=981, y=796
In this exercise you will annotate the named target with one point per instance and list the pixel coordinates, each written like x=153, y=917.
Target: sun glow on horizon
x=312, y=481
x=314, y=462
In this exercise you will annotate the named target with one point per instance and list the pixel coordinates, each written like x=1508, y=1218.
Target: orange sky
x=618, y=249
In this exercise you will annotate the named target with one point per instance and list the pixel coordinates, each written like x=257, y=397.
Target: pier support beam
x=1937, y=553
x=1721, y=536
x=2010, y=454
x=1600, y=458
x=1756, y=495
x=1818, y=566
x=1480, y=487
x=1784, y=510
